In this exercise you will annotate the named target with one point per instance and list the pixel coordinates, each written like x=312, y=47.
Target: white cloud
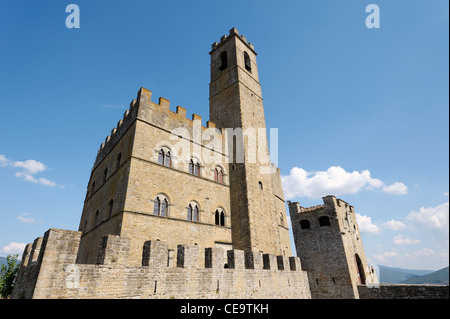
x=431, y=218
x=3, y=160
x=399, y=240
x=334, y=181
x=23, y=217
x=31, y=166
x=366, y=226
x=26, y=176
x=46, y=182
x=384, y=257
x=394, y=225
x=446, y=194
x=423, y=252
x=14, y=248
x=396, y=189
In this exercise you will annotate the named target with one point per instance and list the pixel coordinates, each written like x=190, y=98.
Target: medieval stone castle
x=174, y=209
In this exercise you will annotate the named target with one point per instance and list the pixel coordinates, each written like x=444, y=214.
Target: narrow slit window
x=118, y=159
x=248, y=65
x=110, y=205
x=223, y=61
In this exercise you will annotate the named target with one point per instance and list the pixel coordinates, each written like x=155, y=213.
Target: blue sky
x=361, y=113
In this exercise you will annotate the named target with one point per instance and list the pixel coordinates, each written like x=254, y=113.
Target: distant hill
x=440, y=277
x=391, y=275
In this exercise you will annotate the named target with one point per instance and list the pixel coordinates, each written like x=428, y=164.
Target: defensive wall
x=48, y=270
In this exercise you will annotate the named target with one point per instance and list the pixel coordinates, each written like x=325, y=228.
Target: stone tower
x=329, y=245
x=258, y=215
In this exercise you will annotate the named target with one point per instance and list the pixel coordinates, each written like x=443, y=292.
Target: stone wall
x=245, y=275
x=387, y=291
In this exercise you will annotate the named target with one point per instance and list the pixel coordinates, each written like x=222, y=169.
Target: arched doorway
x=360, y=269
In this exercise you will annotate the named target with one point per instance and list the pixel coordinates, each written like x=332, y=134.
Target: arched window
x=260, y=185
x=194, y=167
x=193, y=212
x=164, y=158
x=110, y=208
x=281, y=219
x=118, y=159
x=324, y=221
x=218, y=175
x=223, y=61
x=105, y=174
x=304, y=224
x=248, y=65
x=161, y=206
x=220, y=217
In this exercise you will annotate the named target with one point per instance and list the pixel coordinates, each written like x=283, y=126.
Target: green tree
x=7, y=274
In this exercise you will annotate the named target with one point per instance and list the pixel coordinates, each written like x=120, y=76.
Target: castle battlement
x=330, y=201
x=225, y=38
x=155, y=253
x=157, y=114
x=205, y=273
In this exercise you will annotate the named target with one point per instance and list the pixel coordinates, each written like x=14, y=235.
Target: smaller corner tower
x=328, y=242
